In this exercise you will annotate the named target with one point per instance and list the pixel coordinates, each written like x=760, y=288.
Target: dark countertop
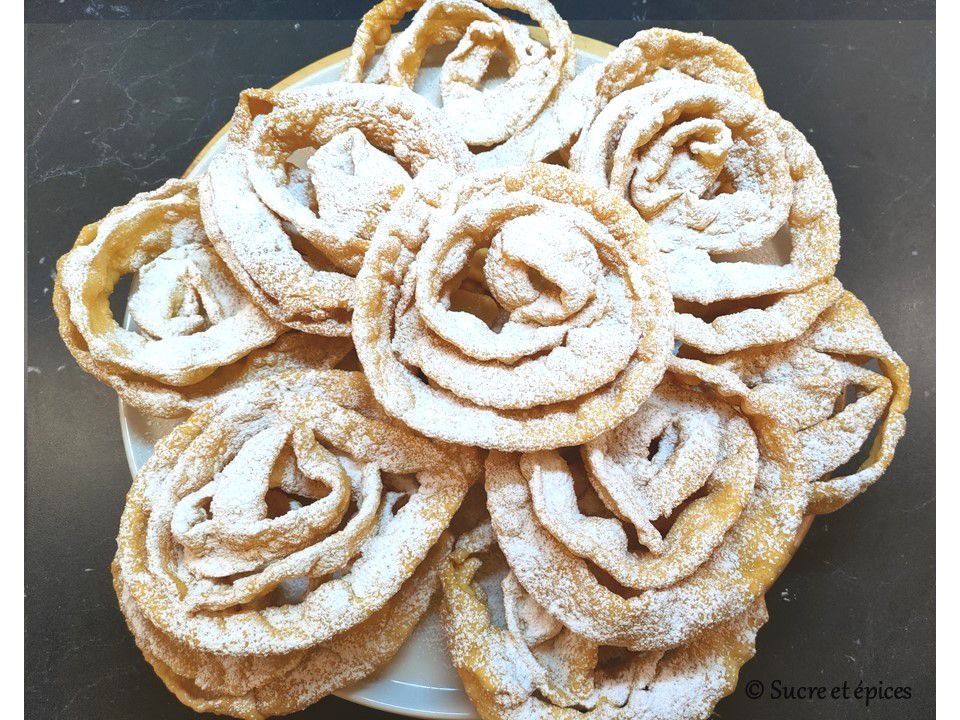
x=114, y=107
x=635, y=10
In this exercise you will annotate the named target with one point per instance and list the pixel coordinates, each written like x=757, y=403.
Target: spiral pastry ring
x=723, y=488
x=293, y=199
x=517, y=120
x=535, y=667
x=723, y=183
x=266, y=527
x=518, y=309
x=714, y=172
x=192, y=318
x=819, y=387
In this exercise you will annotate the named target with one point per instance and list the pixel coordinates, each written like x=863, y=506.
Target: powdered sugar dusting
x=297, y=477
x=659, y=600
x=559, y=359
x=521, y=113
x=534, y=666
x=195, y=318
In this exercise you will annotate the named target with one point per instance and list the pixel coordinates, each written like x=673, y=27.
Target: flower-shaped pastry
x=293, y=199
x=192, y=317
x=677, y=520
x=532, y=666
x=271, y=538
x=519, y=309
x=820, y=387
x=518, y=113
x=735, y=197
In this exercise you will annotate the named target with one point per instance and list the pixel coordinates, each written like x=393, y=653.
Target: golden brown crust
x=536, y=669
x=573, y=357
x=638, y=59
x=536, y=109
x=198, y=325
x=294, y=236
x=802, y=386
x=722, y=552
x=287, y=683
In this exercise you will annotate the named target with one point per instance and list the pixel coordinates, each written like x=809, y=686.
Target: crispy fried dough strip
x=193, y=319
x=722, y=552
x=581, y=317
x=537, y=108
x=537, y=668
x=295, y=236
x=801, y=385
x=276, y=519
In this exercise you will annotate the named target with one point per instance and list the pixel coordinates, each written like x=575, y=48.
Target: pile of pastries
x=560, y=345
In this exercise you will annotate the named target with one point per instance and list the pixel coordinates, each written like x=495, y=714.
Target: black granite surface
x=636, y=10
x=114, y=107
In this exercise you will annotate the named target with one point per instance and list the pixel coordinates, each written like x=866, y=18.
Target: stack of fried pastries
x=560, y=343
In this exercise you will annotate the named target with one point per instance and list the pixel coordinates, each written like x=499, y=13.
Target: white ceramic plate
x=419, y=681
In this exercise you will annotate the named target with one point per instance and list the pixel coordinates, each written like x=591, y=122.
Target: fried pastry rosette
x=517, y=662
x=192, y=318
x=292, y=201
x=257, y=688
x=518, y=309
x=676, y=520
x=511, y=96
x=819, y=387
x=736, y=199
x=278, y=545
